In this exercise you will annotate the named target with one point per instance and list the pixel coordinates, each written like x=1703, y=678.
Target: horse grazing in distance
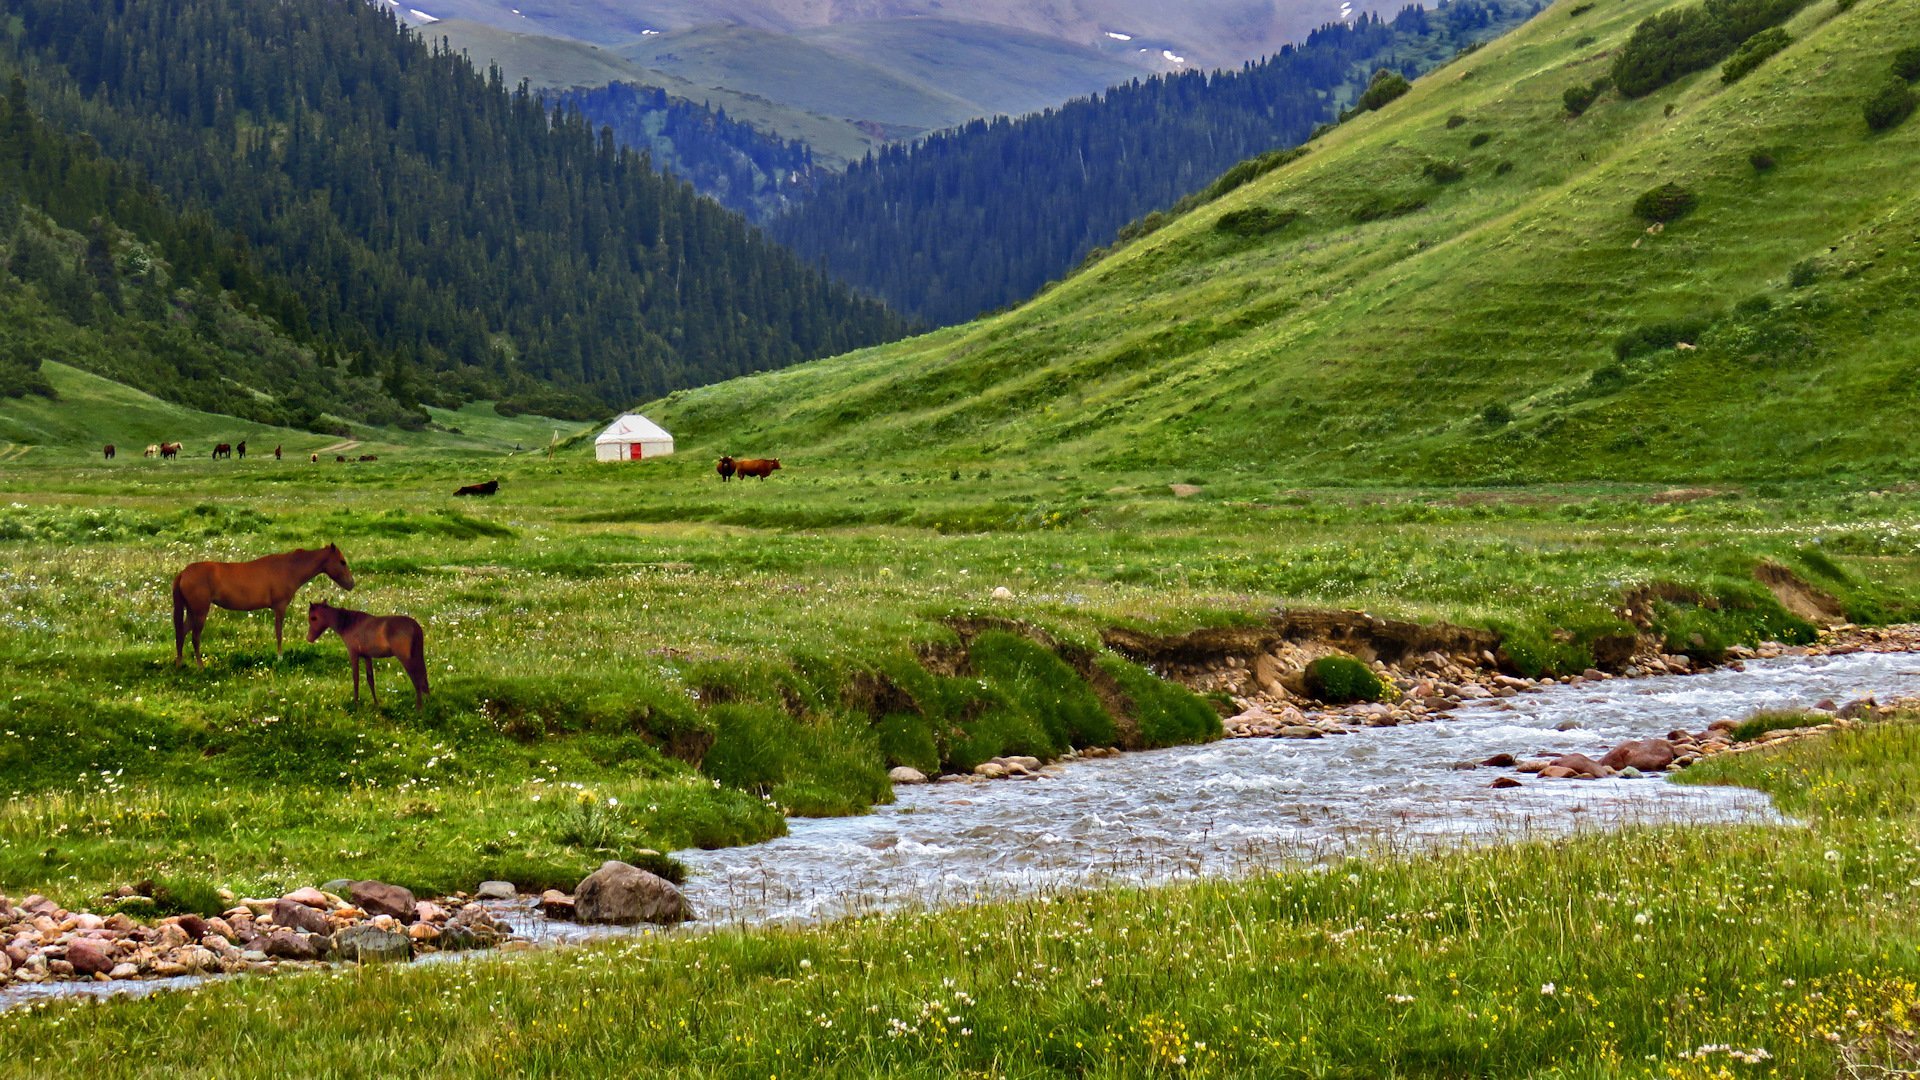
x=169, y=451
x=372, y=637
x=153, y=449
x=369, y=457
x=109, y=451
x=760, y=467
x=241, y=446
x=725, y=467
x=222, y=450
x=313, y=459
x=268, y=582
x=276, y=453
x=488, y=488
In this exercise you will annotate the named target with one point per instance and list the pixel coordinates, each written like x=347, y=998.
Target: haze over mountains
x=892, y=69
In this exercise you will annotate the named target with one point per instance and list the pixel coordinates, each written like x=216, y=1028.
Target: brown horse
x=371, y=637
x=221, y=450
x=276, y=453
x=109, y=451
x=169, y=451
x=269, y=582
x=241, y=448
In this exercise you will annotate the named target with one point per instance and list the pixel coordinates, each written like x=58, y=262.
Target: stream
x=1228, y=808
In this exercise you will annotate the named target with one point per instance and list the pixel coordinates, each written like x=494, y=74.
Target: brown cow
x=725, y=468
x=487, y=488
x=760, y=467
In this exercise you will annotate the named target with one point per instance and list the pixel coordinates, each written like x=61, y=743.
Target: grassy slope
x=560, y=63
x=91, y=411
x=802, y=75
x=1344, y=351
x=1597, y=956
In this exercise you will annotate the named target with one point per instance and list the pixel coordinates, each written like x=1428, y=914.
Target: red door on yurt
x=635, y=448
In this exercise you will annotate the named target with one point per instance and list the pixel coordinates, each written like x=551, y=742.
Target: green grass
x=1334, y=351
x=712, y=655
x=1594, y=956
x=1763, y=722
x=91, y=411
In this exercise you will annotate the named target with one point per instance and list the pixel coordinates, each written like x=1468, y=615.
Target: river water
x=1238, y=805
x=1233, y=807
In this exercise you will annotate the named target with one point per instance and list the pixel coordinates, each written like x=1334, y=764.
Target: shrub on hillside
x=1454, y=121
x=1442, y=172
x=1754, y=52
x=1680, y=41
x=1666, y=203
x=1889, y=105
x=1578, y=99
x=1906, y=63
x=1607, y=379
x=1385, y=86
x=1503, y=168
x=1342, y=680
x=1655, y=336
x=1761, y=160
x=1255, y=221
x=1479, y=140
x=1803, y=273
x=1381, y=205
x=1496, y=415
x=1251, y=169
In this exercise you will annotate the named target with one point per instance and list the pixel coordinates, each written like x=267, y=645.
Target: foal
x=372, y=636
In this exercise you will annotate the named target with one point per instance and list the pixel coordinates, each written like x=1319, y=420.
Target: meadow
x=1670, y=952
x=627, y=658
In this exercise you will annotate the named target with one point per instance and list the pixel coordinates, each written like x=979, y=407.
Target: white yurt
x=632, y=438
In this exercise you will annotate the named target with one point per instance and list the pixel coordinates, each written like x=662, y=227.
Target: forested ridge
x=982, y=216
x=417, y=219
x=731, y=162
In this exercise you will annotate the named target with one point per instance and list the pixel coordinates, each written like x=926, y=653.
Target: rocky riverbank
x=1272, y=701
x=358, y=922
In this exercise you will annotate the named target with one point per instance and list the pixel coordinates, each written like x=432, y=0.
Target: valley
x=1526, y=411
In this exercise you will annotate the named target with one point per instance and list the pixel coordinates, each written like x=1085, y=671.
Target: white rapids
x=1238, y=805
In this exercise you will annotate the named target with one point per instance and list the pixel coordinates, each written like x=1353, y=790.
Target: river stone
x=1568, y=724
x=287, y=945
x=622, y=895
x=124, y=971
x=1500, y=782
x=906, y=774
x=496, y=890
x=555, y=904
x=308, y=895
x=89, y=957
x=292, y=913
x=372, y=945
x=379, y=898
x=1500, y=761
x=338, y=886
x=992, y=770
x=1646, y=755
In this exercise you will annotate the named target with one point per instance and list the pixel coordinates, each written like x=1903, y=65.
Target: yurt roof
x=633, y=428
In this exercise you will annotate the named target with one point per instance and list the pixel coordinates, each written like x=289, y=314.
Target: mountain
x=415, y=219
x=981, y=216
x=879, y=70
x=1711, y=281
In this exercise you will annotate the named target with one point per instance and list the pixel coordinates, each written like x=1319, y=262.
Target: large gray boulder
x=621, y=895
x=372, y=945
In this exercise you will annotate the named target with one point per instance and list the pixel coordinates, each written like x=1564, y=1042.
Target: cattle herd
x=728, y=466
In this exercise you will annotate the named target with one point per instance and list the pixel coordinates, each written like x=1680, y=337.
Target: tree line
x=415, y=219
x=981, y=216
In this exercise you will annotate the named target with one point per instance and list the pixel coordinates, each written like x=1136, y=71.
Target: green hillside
x=559, y=63
x=88, y=411
x=1457, y=287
